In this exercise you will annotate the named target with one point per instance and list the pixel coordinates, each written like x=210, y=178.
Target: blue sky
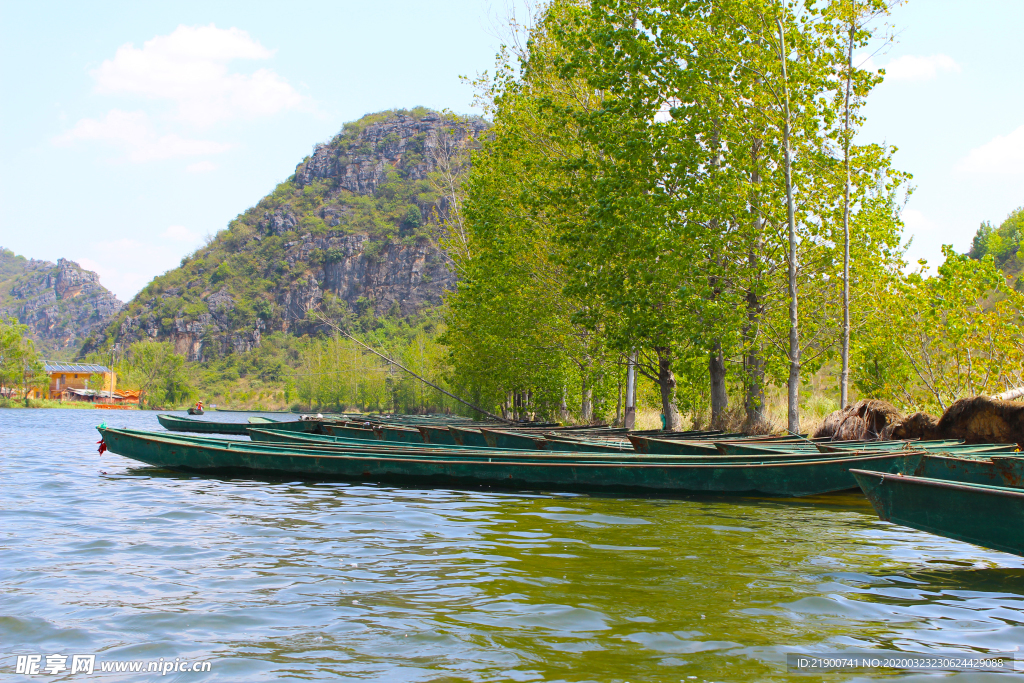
x=129, y=131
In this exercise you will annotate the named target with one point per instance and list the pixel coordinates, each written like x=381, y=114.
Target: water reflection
x=314, y=581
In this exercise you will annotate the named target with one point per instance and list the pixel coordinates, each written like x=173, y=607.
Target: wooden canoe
x=240, y=458
x=989, y=516
x=466, y=436
x=652, y=446
x=998, y=471
x=437, y=435
x=499, y=438
x=350, y=432
x=174, y=423
x=341, y=444
x=401, y=434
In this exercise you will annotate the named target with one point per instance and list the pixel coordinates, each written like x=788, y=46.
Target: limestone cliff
x=350, y=232
x=60, y=302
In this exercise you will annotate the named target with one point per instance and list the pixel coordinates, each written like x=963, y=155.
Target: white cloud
x=917, y=223
x=125, y=266
x=1003, y=154
x=134, y=132
x=179, y=233
x=927, y=238
x=189, y=67
x=201, y=167
x=914, y=68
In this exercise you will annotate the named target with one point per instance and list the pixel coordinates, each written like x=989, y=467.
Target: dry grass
x=813, y=410
x=647, y=418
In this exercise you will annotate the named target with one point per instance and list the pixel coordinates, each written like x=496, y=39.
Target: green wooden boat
x=278, y=437
x=1001, y=471
x=581, y=446
x=465, y=436
x=350, y=432
x=652, y=446
x=437, y=435
x=740, y=448
x=989, y=516
x=402, y=434
x=183, y=424
x=174, y=423
x=302, y=441
x=499, y=438
x=299, y=426
x=238, y=458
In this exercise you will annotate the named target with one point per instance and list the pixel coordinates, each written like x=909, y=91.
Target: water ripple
x=312, y=581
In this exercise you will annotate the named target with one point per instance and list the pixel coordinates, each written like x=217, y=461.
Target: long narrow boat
x=299, y=426
x=998, y=471
x=499, y=438
x=403, y=434
x=565, y=444
x=465, y=436
x=756, y=448
x=350, y=432
x=1005, y=471
x=989, y=516
x=355, y=446
x=644, y=444
x=437, y=435
x=185, y=424
x=174, y=423
x=239, y=458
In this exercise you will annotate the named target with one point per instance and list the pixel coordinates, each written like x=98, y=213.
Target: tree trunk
x=793, y=385
x=563, y=409
x=587, y=403
x=667, y=384
x=618, y=401
x=716, y=361
x=844, y=378
x=753, y=365
x=719, y=396
x=629, y=419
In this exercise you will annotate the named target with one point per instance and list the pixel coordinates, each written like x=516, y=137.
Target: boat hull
x=988, y=516
x=465, y=436
x=181, y=424
x=227, y=458
x=350, y=432
x=174, y=423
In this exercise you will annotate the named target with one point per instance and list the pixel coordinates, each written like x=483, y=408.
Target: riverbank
x=45, y=403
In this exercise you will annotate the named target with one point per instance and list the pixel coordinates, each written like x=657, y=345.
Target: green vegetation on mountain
x=350, y=230
x=348, y=239
x=60, y=303
x=1003, y=244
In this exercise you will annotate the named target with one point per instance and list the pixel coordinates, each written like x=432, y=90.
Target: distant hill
x=349, y=231
x=1003, y=243
x=60, y=302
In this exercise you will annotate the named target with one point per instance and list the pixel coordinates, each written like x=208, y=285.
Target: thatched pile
x=865, y=420
x=975, y=420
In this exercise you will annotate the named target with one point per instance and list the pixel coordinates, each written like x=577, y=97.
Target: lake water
x=309, y=581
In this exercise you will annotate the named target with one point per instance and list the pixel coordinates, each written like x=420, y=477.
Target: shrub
x=223, y=272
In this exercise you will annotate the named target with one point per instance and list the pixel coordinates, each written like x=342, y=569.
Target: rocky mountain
x=60, y=302
x=350, y=233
